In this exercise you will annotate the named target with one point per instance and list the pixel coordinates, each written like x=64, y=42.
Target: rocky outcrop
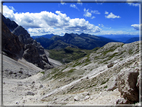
x=11, y=45
x=10, y=24
x=21, y=31
x=19, y=43
x=127, y=86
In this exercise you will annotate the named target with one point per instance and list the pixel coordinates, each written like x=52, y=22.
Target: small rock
x=76, y=98
x=86, y=93
x=17, y=103
x=87, y=97
x=21, y=72
x=110, y=65
x=41, y=86
x=30, y=93
x=10, y=72
x=24, y=101
x=33, y=82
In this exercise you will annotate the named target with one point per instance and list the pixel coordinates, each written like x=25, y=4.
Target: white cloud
x=92, y=17
x=117, y=32
x=111, y=15
x=73, y=6
x=87, y=13
x=8, y=12
x=136, y=26
x=101, y=25
x=106, y=12
x=134, y=4
x=95, y=11
x=48, y=22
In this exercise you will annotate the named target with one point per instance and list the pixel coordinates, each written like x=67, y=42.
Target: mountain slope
x=95, y=73
x=44, y=36
x=107, y=76
x=132, y=40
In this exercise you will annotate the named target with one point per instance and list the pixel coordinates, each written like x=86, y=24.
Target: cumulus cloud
x=48, y=22
x=111, y=15
x=136, y=26
x=8, y=12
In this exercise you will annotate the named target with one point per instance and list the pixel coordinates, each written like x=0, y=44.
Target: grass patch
x=60, y=74
x=43, y=72
x=67, y=55
x=130, y=52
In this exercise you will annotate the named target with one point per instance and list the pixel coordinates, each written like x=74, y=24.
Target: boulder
x=86, y=97
x=126, y=82
x=110, y=65
x=76, y=98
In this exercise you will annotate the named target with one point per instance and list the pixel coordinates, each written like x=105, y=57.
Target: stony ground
x=88, y=81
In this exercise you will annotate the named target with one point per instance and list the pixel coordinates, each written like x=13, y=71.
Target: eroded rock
x=126, y=83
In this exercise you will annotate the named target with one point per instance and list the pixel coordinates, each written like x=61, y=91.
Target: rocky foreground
x=108, y=76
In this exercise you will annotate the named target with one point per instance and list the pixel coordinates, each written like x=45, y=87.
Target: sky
x=60, y=18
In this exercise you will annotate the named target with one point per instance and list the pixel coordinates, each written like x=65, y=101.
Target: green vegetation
x=56, y=74
x=43, y=72
x=69, y=54
x=130, y=51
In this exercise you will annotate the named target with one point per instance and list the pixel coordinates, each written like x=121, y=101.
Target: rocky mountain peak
x=20, y=43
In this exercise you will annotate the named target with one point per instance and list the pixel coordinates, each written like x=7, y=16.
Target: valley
x=75, y=69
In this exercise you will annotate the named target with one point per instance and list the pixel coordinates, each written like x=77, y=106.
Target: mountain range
x=82, y=41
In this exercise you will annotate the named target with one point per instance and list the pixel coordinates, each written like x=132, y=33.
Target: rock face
x=11, y=44
x=21, y=31
x=19, y=43
x=126, y=83
x=10, y=24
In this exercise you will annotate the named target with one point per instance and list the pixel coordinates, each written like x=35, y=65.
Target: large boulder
x=126, y=82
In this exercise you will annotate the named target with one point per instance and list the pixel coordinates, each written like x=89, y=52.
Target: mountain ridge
x=18, y=44
x=82, y=41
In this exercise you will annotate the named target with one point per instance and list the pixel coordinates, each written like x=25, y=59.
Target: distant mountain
x=120, y=38
x=82, y=41
x=132, y=40
x=45, y=36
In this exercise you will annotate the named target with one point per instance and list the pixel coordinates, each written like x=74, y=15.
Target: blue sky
x=59, y=18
